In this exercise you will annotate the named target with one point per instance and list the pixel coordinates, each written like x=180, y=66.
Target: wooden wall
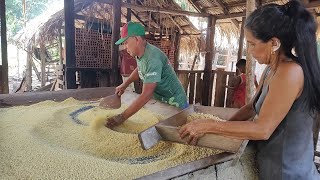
x=193, y=84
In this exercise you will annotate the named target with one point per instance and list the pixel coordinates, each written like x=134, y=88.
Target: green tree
x=15, y=17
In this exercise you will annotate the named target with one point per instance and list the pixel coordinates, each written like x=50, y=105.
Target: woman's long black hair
x=296, y=28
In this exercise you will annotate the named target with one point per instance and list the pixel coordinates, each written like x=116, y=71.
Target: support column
x=208, y=76
x=116, y=11
x=29, y=66
x=70, y=45
x=251, y=63
x=4, y=52
x=240, y=50
x=43, y=63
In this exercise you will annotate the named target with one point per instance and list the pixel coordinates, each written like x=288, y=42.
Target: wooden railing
x=192, y=82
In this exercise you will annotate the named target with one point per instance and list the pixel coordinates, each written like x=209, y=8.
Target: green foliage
x=15, y=17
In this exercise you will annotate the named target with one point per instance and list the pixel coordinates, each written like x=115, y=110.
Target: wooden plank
x=189, y=167
x=211, y=79
x=7, y=100
x=194, y=62
x=199, y=86
x=220, y=89
x=189, y=71
x=4, y=51
x=70, y=44
x=183, y=77
x=191, y=88
x=169, y=129
x=35, y=69
x=208, y=61
x=116, y=19
x=230, y=92
x=53, y=85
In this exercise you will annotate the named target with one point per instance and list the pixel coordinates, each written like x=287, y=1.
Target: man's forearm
x=134, y=76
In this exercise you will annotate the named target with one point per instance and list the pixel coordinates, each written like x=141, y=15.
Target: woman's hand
x=195, y=130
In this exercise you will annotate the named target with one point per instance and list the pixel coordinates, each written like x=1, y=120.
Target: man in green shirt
x=158, y=77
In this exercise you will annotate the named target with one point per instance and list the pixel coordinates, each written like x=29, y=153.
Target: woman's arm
x=285, y=87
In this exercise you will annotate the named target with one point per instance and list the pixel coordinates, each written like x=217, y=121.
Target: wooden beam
x=233, y=15
x=240, y=50
x=136, y=16
x=116, y=19
x=313, y=5
x=194, y=4
x=4, y=51
x=208, y=76
x=34, y=67
x=158, y=9
x=7, y=100
x=235, y=23
x=251, y=63
x=70, y=44
x=226, y=12
x=170, y=17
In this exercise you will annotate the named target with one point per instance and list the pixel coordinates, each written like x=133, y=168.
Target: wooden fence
x=193, y=83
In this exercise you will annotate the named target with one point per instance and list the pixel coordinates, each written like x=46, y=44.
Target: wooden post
x=220, y=91
x=116, y=10
x=29, y=66
x=192, y=87
x=18, y=60
x=60, y=46
x=128, y=12
x=70, y=44
x=4, y=52
x=177, y=51
x=43, y=63
x=251, y=63
x=240, y=50
x=208, y=76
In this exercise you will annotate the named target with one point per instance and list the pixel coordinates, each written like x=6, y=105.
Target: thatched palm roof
x=228, y=12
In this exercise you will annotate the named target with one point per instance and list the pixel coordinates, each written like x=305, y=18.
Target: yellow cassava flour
x=195, y=116
x=68, y=140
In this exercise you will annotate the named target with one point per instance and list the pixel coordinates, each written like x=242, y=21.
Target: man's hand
x=115, y=121
x=121, y=88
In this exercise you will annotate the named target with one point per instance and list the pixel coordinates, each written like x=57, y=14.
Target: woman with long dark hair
x=284, y=38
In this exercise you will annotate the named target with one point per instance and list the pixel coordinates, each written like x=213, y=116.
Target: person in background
x=239, y=85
